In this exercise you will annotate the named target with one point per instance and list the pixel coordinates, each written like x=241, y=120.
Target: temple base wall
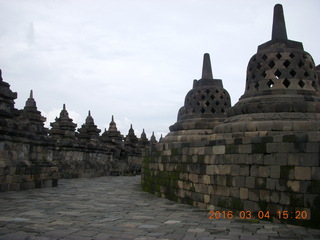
x=252, y=173
x=26, y=166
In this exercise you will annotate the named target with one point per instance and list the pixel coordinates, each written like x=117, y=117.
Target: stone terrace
x=116, y=208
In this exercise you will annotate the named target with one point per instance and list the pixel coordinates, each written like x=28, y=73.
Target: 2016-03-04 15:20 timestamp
x=259, y=215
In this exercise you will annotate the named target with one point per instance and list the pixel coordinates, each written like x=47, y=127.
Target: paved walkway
x=116, y=208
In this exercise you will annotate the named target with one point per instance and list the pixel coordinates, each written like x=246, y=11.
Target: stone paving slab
x=116, y=208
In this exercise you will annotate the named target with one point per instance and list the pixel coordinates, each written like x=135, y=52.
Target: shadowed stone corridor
x=116, y=208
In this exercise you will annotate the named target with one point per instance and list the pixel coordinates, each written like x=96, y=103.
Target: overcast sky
x=136, y=59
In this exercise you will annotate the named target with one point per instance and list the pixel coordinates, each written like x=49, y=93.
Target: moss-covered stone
x=260, y=183
x=296, y=200
x=286, y=171
x=259, y=148
x=237, y=204
x=314, y=187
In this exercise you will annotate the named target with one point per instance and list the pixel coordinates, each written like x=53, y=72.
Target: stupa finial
x=64, y=107
x=279, y=31
x=31, y=94
x=206, y=67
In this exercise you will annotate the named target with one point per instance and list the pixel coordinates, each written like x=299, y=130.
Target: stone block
x=275, y=171
x=281, y=184
x=269, y=159
x=219, y=149
x=284, y=198
x=302, y=173
x=271, y=184
x=310, y=200
x=250, y=182
x=264, y=195
x=210, y=169
x=253, y=194
x=193, y=178
x=206, y=198
x=264, y=171
x=206, y=179
x=240, y=181
x=201, y=188
x=248, y=205
x=235, y=170
x=293, y=159
x=254, y=171
x=312, y=147
x=281, y=159
x=274, y=197
x=271, y=147
x=315, y=173
x=310, y=160
x=294, y=186
x=221, y=180
x=27, y=185
x=245, y=148
x=285, y=147
x=222, y=169
x=244, y=170
x=234, y=192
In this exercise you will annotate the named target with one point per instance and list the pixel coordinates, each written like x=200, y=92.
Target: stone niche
x=263, y=158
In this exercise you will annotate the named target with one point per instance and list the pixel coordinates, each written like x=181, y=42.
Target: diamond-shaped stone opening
x=221, y=97
x=277, y=73
x=293, y=73
x=254, y=58
x=306, y=74
x=207, y=91
x=300, y=64
x=226, y=104
x=292, y=55
x=213, y=110
x=222, y=110
x=253, y=76
x=217, y=91
x=286, y=63
x=193, y=110
x=217, y=103
x=198, y=103
x=259, y=66
x=202, y=110
x=278, y=55
x=270, y=83
x=301, y=83
x=207, y=103
x=256, y=85
x=310, y=66
x=271, y=64
x=263, y=74
x=264, y=57
x=212, y=97
x=286, y=83
x=203, y=97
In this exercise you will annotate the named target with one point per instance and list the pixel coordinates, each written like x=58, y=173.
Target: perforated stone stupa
x=281, y=91
x=205, y=107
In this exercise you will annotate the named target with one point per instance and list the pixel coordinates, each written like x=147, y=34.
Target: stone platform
x=116, y=208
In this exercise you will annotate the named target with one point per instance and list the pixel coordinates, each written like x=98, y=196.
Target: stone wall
x=251, y=173
x=31, y=156
x=26, y=165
